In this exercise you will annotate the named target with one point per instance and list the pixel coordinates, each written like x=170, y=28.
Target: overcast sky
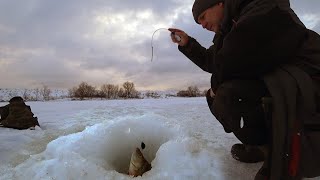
x=62, y=43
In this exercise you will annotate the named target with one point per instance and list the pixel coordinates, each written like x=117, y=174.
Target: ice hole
x=104, y=147
x=123, y=138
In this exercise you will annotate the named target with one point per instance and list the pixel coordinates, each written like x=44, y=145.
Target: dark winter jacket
x=256, y=36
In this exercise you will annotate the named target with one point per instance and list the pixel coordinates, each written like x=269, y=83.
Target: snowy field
x=94, y=140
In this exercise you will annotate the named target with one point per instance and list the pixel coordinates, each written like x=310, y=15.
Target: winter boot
x=263, y=173
x=247, y=153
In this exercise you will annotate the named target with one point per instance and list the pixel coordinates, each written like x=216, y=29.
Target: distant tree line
x=107, y=91
x=37, y=94
x=86, y=91
x=126, y=91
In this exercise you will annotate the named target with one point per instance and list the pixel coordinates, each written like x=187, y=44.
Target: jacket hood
x=232, y=9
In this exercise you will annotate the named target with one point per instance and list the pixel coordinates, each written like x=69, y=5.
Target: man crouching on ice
x=253, y=39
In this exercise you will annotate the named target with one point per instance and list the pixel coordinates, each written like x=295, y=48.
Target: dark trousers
x=238, y=107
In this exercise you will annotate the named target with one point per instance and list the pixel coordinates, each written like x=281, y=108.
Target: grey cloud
x=40, y=71
x=309, y=6
x=61, y=28
x=317, y=28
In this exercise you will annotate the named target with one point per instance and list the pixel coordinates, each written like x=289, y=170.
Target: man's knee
x=236, y=101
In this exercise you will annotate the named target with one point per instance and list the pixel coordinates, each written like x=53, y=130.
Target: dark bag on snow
x=19, y=116
x=295, y=123
x=310, y=158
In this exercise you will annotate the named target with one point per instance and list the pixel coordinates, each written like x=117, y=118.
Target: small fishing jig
x=143, y=145
x=178, y=38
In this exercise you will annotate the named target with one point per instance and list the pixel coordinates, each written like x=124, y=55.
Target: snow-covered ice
x=95, y=139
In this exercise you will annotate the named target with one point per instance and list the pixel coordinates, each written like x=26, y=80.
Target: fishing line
x=152, y=40
x=178, y=38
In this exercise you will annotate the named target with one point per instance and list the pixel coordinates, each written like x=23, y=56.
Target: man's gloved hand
x=184, y=38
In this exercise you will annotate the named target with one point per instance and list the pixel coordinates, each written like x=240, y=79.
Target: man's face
x=211, y=18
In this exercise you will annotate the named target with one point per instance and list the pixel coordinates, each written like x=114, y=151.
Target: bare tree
x=109, y=90
x=100, y=94
x=193, y=91
x=152, y=94
x=26, y=95
x=114, y=92
x=13, y=93
x=129, y=90
x=183, y=93
x=36, y=94
x=127, y=86
x=45, y=92
x=85, y=90
x=72, y=92
x=81, y=91
x=121, y=93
